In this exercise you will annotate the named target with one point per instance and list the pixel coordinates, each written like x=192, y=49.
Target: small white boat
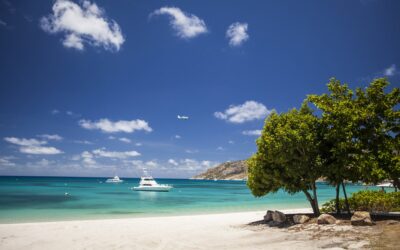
x=147, y=183
x=386, y=184
x=116, y=179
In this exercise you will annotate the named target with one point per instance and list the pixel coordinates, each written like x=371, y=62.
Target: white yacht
x=116, y=179
x=147, y=183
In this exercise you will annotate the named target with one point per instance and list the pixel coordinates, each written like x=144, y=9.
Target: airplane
x=183, y=117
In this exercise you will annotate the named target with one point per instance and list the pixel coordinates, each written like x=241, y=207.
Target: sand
x=212, y=231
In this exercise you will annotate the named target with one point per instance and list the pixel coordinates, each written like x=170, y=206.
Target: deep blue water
x=25, y=199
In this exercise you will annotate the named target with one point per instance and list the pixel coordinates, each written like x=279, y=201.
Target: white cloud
x=186, y=25
x=178, y=137
x=231, y=142
x=24, y=142
x=5, y=162
x=45, y=163
x=86, y=24
x=108, y=126
x=191, y=151
x=151, y=164
x=54, y=137
x=87, y=158
x=138, y=144
x=193, y=165
x=252, y=132
x=220, y=148
x=124, y=139
x=115, y=154
x=248, y=111
x=390, y=71
x=33, y=146
x=173, y=162
x=237, y=34
x=40, y=150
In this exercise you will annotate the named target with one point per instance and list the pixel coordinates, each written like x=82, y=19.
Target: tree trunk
x=337, y=205
x=396, y=184
x=312, y=203
x=314, y=188
x=345, y=198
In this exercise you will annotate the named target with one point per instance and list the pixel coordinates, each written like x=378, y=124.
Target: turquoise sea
x=29, y=199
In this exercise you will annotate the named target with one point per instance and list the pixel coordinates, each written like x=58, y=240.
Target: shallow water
x=28, y=199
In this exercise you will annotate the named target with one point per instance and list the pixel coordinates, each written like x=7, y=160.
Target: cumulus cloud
x=186, y=25
x=177, y=137
x=252, y=132
x=83, y=24
x=237, y=34
x=390, y=71
x=248, y=111
x=108, y=126
x=115, y=154
x=33, y=146
x=54, y=137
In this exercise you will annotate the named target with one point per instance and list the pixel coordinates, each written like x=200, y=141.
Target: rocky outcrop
x=326, y=219
x=300, y=218
x=278, y=217
x=235, y=170
x=268, y=216
x=361, y=218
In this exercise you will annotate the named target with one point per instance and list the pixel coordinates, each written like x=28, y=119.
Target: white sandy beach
x=214, y=231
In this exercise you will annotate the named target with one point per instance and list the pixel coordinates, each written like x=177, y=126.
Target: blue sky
x=93, y=88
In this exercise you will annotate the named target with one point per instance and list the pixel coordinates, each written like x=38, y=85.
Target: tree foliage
x=287, y=155
x=355, y=138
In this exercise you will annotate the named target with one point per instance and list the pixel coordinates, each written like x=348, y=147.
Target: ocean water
x=30, y=199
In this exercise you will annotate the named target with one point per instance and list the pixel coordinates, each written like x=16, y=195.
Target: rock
x=268, y=216
x=278, y=217
x=300, y=219
x=326, y=219
x=361, y=218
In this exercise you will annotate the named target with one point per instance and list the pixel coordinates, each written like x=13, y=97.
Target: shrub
x=367, y=200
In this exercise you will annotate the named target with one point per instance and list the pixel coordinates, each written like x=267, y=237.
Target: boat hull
x=154, y=189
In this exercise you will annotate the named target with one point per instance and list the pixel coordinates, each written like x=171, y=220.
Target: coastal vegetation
x=367, y=200
x=353, y=136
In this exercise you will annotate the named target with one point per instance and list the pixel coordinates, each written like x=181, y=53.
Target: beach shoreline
x=207, y=231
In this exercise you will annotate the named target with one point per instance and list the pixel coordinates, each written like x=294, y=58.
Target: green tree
x=339, y=123
x=287, y=156
x=378, y=132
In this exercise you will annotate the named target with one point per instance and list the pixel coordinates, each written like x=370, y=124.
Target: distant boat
x=387, y=184
x=147, y=183
x=116, y=179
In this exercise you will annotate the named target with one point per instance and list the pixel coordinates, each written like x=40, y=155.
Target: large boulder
x=278, y=217
x=268, y=216
x=300, y=218
x=326, y=219
x=361, y=218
